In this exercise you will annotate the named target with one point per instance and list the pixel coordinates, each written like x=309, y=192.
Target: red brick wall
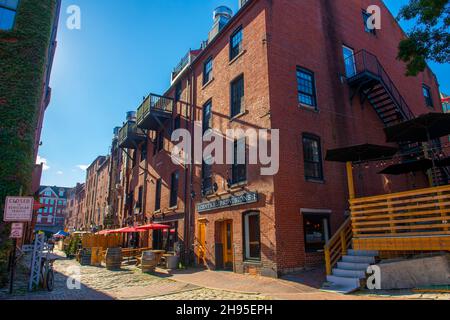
x=315, y=41
x=278, y=36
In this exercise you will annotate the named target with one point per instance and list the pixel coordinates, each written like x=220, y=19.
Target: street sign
x=16, y=231
x=18, y=209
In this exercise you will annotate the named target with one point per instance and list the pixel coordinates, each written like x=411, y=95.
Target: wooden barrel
x=113, y=258
x=85, y=257
x=148, y=261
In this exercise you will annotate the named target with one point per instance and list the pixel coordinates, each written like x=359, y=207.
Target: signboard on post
x=18, y=209
x=16, y=231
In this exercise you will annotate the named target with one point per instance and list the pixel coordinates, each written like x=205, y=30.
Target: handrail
x=338, y=245
x=154, y=102
x=366, y=61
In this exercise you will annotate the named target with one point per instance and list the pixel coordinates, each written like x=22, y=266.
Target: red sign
x=18, y=209
x=16, y=231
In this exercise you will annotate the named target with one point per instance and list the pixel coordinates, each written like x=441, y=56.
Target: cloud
x=82, y=167
x=60, y=173
x=40, y=160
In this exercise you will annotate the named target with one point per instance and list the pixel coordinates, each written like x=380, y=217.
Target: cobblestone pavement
x=127, y=284
x=130, y=283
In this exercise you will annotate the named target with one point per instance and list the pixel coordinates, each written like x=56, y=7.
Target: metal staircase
x=367, y=77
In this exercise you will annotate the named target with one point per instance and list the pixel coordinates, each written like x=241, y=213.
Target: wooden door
x=201, y=242
x=227, y=240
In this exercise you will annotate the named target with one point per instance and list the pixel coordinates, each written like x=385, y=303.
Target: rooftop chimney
x=221, y=17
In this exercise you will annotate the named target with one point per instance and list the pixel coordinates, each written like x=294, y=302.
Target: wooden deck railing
x=424, y=212
x=338, y=245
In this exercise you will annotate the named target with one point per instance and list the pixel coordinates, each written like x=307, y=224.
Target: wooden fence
x=412, y=220
x=101, y=241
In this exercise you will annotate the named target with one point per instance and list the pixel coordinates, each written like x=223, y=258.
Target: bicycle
x=47, y=280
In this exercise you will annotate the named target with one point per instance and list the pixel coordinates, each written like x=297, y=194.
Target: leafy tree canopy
x=429, y=39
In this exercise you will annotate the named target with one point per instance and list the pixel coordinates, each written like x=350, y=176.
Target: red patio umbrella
x=153, y=226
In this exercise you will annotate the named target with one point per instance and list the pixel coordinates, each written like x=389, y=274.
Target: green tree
x=429, y=39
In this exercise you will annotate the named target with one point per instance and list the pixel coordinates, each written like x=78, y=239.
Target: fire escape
x=368, y=79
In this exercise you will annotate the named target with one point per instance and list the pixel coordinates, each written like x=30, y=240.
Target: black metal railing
x=129, y=130
x=154, y=102
x=366, y=62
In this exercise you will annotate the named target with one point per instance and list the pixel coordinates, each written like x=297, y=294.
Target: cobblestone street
x=98, y=283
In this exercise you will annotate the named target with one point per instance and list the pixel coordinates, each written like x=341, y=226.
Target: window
x=312, y=157
x=236, y=43
x=366, y=16
x=349, y=61
x=252, y=236
x=237, y=96
x=207, y=70
x=178, y=91
x=306, y=87
x=144, y=151
x=207, y=116
x=159, y=142
x=140, y=196
x=316, y=230
x=174, y=189
x=8, y=10
x=239, y=167
x=158, y=194
x=207, y=188
x=427, y=94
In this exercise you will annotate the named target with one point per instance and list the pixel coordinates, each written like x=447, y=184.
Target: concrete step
x=360, y=274
x=352, y=266
x=358, y=259
x=343, y=281
x=365, y=253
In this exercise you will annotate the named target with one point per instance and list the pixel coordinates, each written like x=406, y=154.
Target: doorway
x=201, y=237
x=227, y=242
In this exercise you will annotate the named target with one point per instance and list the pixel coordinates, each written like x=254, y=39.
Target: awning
x=363, y=152
x=407, y=167
x=153, y=226
x=421, y=129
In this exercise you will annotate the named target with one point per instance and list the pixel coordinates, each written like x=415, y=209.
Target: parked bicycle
x=47, y=280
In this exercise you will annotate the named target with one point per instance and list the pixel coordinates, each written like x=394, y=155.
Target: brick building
x=296, y=66
x=92, y=208
x=51, y=218
x=28, y=32
x=75, y=207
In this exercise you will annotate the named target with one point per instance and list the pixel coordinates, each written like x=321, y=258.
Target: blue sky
x=123, y=51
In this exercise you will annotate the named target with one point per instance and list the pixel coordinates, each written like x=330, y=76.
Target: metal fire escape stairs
x=368, y=79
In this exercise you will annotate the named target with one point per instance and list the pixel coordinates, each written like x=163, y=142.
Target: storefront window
x=316, y=229
x=166, y=239
x=252, y=236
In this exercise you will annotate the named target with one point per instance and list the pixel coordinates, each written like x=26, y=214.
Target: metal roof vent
x=221, y=16
x=131, y=116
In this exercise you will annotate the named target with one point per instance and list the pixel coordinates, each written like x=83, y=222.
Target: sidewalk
x=267, y=287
